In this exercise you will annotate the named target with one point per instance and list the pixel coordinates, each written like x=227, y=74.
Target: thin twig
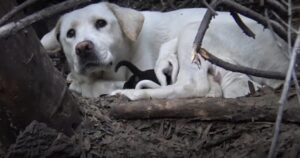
x=233, y=6
x=290, y=29
x=184, y=3
x=238, y=68
x=289, y=47
x=283, y=22
x=212, y=10
x=270, y=27
x=242, y=25
x=228, y=66
x=283, y=99
x=17, y=9
x=203, y=27
x=277, y=5
x=296, y=82
x=14, y=27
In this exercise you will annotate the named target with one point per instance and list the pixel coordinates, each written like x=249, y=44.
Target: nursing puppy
x=138, y=76
x=98, y=36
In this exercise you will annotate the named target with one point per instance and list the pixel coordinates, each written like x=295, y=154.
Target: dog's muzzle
x=87, y=57
x=85, y=49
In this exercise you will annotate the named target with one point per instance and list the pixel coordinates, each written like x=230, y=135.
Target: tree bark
x=30, y=87
x=262, y=108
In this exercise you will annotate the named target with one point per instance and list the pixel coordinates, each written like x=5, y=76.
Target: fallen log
x=207, y=109
x=30, y=87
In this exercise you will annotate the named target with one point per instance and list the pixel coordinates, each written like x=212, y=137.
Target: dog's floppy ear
x=50, y=40
x=131, y=21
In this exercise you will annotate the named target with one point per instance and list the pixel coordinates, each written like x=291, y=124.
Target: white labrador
x=96, y=37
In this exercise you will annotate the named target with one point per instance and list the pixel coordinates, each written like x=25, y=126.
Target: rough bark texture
x=30, y=87
x=208, y=109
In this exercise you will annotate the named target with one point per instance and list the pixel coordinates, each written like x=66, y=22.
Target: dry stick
x=228, y=66
x=247, y=109
x=203, y=27
x=13, y=27
x=277, y=5
x=284, y=94
x=283, y=22
x=283, y=99
x=242, y=25
x=209, y=7
x=184, y=3
x=284, y=2
x=270, y=27
x=238, y=68
x=19, y=8
x=290, y=29
x=289, y=47
x=233, y=6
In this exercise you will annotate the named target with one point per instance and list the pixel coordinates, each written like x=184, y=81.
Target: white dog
x=98, y=36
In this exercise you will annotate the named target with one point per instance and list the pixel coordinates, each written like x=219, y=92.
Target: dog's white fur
x=141, y=36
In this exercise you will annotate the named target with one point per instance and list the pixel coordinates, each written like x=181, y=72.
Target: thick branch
x=236, y=110
x=14, y=27
x=14, y=11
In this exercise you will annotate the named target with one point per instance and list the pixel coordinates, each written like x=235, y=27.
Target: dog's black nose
x=84, y=48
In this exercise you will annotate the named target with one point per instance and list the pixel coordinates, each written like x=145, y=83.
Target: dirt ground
x=100, y=135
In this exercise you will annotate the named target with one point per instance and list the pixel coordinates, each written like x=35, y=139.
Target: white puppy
x=98, y=36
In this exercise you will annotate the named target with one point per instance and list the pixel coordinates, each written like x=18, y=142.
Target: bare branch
x=19, y=8
x=204, y=26
x=270, y=27
x=283, y=22
x=278, y=29
x=206, y=109
x=213, y=59
x=214, y=13
x=14, y=27
x=287, y=83
x=237, y=68
x=242, y=25
x=277, y=5
x=184, y=3
x=283, y=99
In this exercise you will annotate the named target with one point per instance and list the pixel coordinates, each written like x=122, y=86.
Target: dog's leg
x=167, y=61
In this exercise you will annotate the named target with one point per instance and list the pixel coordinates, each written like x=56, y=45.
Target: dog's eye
x=71, y=33
x=100, y=23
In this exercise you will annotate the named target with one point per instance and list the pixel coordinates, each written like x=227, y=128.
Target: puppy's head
x=93, y=37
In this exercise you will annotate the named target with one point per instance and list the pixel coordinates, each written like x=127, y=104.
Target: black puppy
x=138, y=75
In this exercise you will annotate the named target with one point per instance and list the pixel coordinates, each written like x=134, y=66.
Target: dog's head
x=93, y=37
